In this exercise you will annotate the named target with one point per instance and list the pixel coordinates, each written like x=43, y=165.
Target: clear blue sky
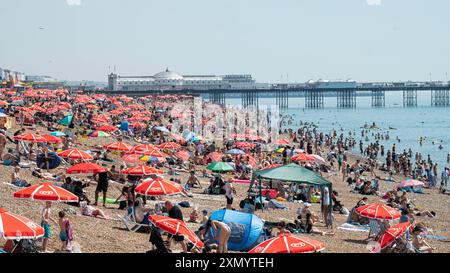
x=306, y=39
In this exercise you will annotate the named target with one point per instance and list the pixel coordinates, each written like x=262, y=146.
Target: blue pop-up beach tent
x=246, y=228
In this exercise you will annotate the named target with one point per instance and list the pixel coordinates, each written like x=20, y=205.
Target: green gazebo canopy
x=293, y=173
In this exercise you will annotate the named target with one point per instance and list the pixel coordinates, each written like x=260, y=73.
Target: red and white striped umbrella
x=46, y=192
x=378, y=211
x=303, y=157
x=52, y=139
x=140, y=149
x=214, y=156
x=170, y=145
x=392, y=233
x=86, y=168
x=156, y=153
x=132, y=158
x=175, y=227
x=288, y=243
x=118, y=146
x=157, y=187
x=76, y=154
x=30, y=137
x=282, y=141
x=107, y=128
x=142, y=170
x=16, y=227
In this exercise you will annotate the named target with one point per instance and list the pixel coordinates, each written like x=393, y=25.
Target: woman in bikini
x=222, y=232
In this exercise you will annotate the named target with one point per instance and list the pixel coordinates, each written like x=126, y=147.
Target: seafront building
x=169, y=80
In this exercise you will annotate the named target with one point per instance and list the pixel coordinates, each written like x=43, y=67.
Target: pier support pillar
x=313, y=98
x=440, y=98
x=249, y=98
x=378, y=98
x=409, y=98
x=217, y=97
x=346, y=98
x=282, y=98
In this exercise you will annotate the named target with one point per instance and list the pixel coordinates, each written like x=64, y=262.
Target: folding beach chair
x=374, y=228
x=130, y=223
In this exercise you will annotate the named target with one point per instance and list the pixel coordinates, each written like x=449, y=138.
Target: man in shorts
x=45, y=223
x=230, y=191
x=102, y=186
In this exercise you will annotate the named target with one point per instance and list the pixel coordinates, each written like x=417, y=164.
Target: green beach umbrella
x=220, y=167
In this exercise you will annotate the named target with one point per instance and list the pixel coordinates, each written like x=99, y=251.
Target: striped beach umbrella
x=157, y=187
x=46, y=191
x=16, y=227
x=289, y=243
x=75, y=154
x=175, y=227
x=86, y=168
x=378, y=211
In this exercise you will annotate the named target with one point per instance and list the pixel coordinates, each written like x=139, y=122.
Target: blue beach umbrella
x=57, y=133
x=235, y=152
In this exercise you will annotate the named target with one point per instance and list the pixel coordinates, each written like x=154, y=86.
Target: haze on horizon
x=366, y=40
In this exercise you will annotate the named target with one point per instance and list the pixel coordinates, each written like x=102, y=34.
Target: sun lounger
x=130, y=221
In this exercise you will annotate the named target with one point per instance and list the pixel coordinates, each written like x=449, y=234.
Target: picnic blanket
x=352, y=227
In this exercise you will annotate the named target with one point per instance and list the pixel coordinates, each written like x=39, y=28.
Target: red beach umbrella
x=118, y=146
x=175, y=227
x=76, y=154
x=156, y=153
x=157, y=187
x=303, y=157
x=52, y=139
x=46, y=192
x=378, y=211
x=244, y=145
x=214, y=156
x=16, y=227
x=271, y=166
x=169, y=145
x=288, y=243
x=30, y=137
x=86, y=168
x=107, y=128
x=140, y=149
x=142, y=170
x=392, y=233
x=132, y=158
x=183, y=155
x=282, y=141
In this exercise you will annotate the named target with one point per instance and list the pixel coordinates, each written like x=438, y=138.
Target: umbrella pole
x=260, y=193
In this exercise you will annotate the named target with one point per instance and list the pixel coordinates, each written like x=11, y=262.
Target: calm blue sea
x=410, y=123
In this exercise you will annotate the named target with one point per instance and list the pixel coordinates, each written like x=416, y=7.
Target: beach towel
x=276, y=205
x=353, y=227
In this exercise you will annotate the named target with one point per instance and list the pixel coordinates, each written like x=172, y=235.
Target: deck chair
x=374, y=228
x=130, y=223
